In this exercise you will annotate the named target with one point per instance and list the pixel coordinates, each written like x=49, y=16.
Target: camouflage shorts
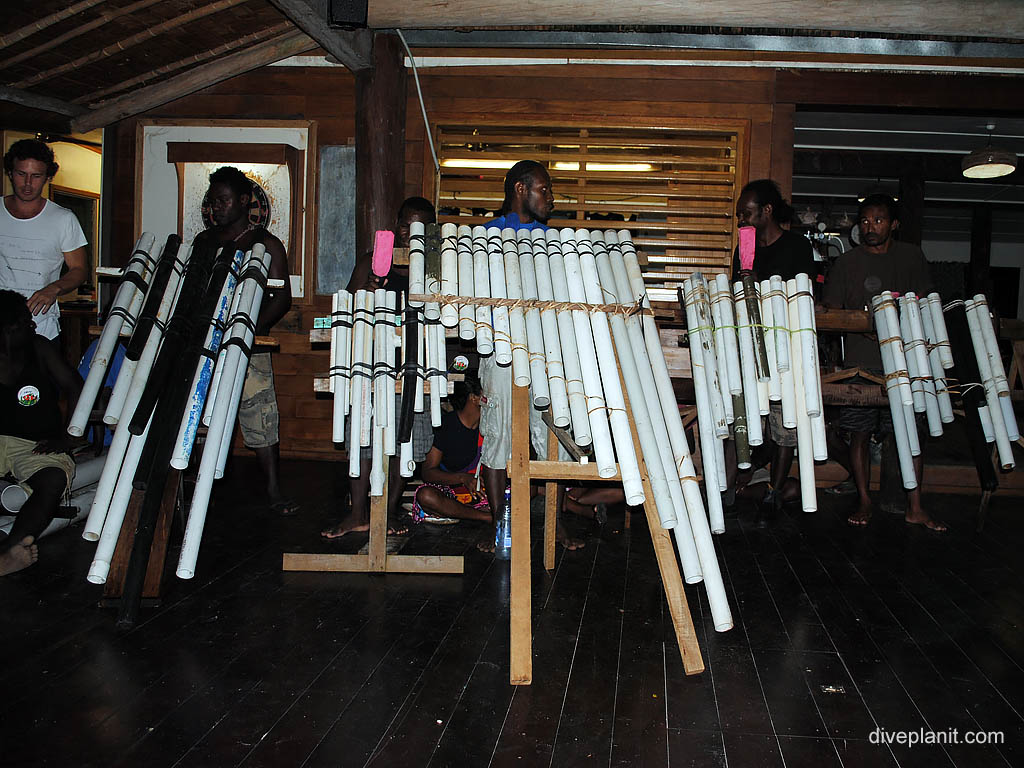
x=257, y=412
x=781, y=435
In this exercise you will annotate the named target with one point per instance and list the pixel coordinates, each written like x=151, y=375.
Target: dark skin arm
x=276, y=301
x=70, y=384
x=431, y=472
x=362, y=278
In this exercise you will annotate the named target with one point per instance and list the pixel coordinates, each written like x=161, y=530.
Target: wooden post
x=978, y=271
x=378, y=545
x=380, y=140
x=911, y=205
x=520, y=610
x=551, y=508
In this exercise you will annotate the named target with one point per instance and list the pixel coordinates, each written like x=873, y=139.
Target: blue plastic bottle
x=503, y=532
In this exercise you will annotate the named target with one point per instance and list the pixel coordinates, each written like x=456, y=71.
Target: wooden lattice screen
x=674, y=188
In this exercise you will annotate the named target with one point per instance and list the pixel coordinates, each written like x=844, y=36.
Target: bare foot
x=861, y=517
x=345, y=527
x=348, y=525
x=922, y=519
x=568, y=542
x=19, y=556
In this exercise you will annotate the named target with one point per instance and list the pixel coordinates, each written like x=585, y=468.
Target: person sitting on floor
x=449, y=491
x=33, y=444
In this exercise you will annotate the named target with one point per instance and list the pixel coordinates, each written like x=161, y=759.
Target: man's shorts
x=422, y=434
x=872, y=419
x=17, y=459
x=258, y=416
x=780, y=435
x=496, y=418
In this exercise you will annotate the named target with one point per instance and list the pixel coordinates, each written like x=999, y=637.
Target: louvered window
x=674, y=188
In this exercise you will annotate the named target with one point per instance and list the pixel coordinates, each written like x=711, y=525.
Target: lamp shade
x=988, y=163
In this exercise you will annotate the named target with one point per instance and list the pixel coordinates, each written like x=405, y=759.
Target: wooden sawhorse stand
x=376, y=559
x=521, y=471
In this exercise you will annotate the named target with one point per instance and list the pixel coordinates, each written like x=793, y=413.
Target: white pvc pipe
x=534, y=331
x=896, y=406
x=119, y=311
x=516, y=318
x=718, y=602
x=996, y=363
x=748, y=370
x=366, y=402
x=449, y=273
x=913, y=329
x=718, y=333
x=804, y=444
x=203, y=375
x=625, y=451
x=380, y=356
x=768, y=318
x=899, y=359
x=417, y=274
x=117, y=506
x=986, y=424
x=941, y=334
x=467, y=281
x=604, y=455
x=935, y=363
x=502, y=328
x=705, y=419
x=975, y=320
x=12, y=496
x=729, y=335
x=913, y=361
x=482, y=290
x=337, y=370
x=119, y=444
x=780, y=312
x=630, y=285
x=557, y=391
x=702, y=306
x=358, y=381
x=222, y=422
x=439, y=383
x=808, y=344
x=567, y=335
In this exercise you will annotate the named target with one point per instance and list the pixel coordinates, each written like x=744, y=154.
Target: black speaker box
x=350, y=14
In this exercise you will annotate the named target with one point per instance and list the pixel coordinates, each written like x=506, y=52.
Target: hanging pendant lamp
x=989, y=162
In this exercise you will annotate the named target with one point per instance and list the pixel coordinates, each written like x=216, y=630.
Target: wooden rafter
x=38, y=101
x=112, y=110
x=136, y=39
x=197, y=58
x=104, y=18
x=47, y=21
x=351, y=48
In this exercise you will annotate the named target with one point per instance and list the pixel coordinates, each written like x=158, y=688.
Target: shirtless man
x=229, y=195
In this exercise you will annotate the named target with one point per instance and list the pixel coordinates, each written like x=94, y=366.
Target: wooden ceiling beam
x=350, y=47
x=104, y=18
x=290, y=44
x=137, y=39
x=38, y=101
x=47, y=21
x=188, y=61
x=884, y=165
x=992, y=18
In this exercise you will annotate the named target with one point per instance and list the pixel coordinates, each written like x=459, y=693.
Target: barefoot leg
x=915, y=514
x=358, y=518
x=18, y=556
x=860, y=466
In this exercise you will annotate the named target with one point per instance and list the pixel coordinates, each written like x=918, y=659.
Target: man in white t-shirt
x=38, y=237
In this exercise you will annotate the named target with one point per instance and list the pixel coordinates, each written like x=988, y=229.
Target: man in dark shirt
x=878, y=264
x=786, y=254
x=33, y=444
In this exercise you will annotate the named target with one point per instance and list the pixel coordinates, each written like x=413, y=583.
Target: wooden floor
x=838, y=632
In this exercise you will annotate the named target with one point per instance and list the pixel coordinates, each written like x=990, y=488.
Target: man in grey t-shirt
x=878, y=264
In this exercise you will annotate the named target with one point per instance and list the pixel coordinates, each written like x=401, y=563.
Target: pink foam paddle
x=383, y=252
x=747, y=248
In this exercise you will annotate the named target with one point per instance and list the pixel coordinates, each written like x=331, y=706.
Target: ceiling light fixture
x=989, y=162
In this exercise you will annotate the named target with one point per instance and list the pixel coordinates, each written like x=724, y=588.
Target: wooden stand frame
x=521, y=472
x=376, y=559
